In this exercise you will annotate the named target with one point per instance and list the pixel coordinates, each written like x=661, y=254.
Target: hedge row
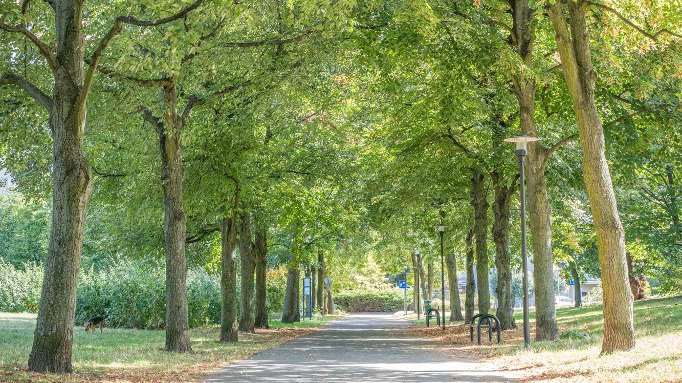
x=371, y=301
x=130, y=294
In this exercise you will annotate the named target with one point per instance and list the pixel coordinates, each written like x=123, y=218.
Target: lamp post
x=418, y=253
x=405, y=289
x=521, y=152
x=441, y=231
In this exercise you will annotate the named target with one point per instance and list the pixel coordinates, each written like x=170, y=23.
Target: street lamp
x=441, y=231
x=405, y=289
x=521, y=152
x=418, y=253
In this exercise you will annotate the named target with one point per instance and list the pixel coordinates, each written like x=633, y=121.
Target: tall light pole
x=441, y=231
x=405, y=289
x=521, y=152
x=418, y=253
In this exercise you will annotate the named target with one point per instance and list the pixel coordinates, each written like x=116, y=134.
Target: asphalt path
x=360, y=348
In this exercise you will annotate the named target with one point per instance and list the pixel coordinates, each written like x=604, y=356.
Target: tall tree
x=573, y=42
x=72, y=178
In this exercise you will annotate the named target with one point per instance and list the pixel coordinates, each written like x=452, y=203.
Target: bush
x=20, y=289
x=371, y=301
x=276, y=285
x=133, y=295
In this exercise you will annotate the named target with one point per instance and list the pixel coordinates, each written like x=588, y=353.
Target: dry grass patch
x=576, y=357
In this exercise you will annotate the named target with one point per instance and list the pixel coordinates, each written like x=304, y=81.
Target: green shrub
x=276, y=285
x=132, y=295
x=371, y=301
x=20, y=289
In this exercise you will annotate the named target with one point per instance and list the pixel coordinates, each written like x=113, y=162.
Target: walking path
x=359, y=348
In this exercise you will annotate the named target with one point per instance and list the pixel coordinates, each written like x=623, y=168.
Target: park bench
x=484, y=320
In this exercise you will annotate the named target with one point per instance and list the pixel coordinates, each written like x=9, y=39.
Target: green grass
x=576, y=355
x=653, y=317
x=137, y=355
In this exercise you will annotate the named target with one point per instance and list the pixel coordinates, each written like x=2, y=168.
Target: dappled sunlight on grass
x=129, y=355
x=657, y=356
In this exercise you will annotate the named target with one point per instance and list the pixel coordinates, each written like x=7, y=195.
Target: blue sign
x=571, y=282
x=402, y=284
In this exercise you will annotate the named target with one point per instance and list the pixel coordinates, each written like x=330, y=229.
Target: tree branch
x=94, y=60
x=653, y=36
x=143, y=82
x=32, y=90
x=458, y=144
x=151, y=23
x=559, y=144
x=148, y=116
x=249, y=44
x=194, y=100
x=42, y=47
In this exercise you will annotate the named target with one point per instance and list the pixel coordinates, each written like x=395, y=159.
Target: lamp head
x=521, y=143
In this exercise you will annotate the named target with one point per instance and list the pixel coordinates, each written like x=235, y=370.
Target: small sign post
x=403, y=285
x=307, y=299
x=572, y=282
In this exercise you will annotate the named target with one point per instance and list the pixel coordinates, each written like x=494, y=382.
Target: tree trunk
x=577, y=290
x=415, y=290
x=637, y=282
x=480, y=205
x=422, y=282
x=71, y=191
x=330, y=302
x=291, y=312
x=261, y=252
x=455, y=304
x=320, y=281
x=470, y=290
x=673, y=209
x=228, y=279
x=313, y=290
x=172, y=176
x=501, y=212
x=248, y=267
x=576, y=63
x=429, y=283
x=523, y=39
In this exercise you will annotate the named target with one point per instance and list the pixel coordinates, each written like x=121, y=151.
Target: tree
x=72, y=178
x=572, y=37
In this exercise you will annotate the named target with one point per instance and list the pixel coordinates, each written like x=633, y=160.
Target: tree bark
x=248, y=267
x=330, y=302
x=480, y=204
x=429, y=282
x=577, y=290
x=573, y=41
x=320, y=281
x=470, y=290
x=455, y=304
x=523, y=39
x=71, y=191
x=261, y=252
x=228, y=279
x=502, y=213
x=313, y=289
x=172, y=177
x=415, y=291
x=291, y=312
x=422, y=281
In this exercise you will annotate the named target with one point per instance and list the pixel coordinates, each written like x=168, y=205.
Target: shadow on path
x=359, y=348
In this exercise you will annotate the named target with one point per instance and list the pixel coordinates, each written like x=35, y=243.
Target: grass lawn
x=124, y=355
x=576, y=357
